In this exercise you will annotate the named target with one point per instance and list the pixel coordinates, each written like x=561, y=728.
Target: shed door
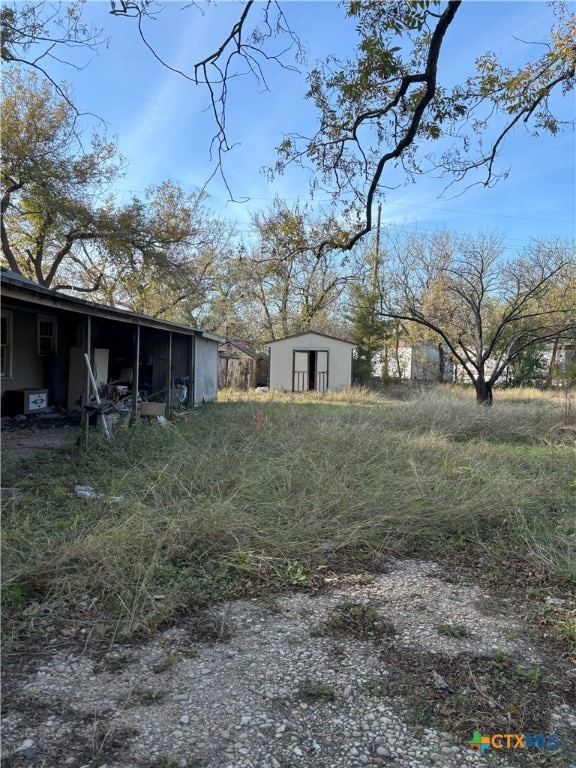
x=321, y=371
x=300, y=372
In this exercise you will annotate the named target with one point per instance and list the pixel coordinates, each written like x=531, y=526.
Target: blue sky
x=163, y=127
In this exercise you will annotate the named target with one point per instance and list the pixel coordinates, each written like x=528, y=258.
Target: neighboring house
x=45, y=335
x=417, y=362
x=557, y=364
x=310, y=361
x=559, y=361
x=239, y=365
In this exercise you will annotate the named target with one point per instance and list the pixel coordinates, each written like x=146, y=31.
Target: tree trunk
x=483, y=392
x=552, y=364
x=398, y=366
x=441, y=363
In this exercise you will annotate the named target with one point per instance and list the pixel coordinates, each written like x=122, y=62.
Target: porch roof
x=16, y=286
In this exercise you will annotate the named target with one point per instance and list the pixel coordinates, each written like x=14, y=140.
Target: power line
x=243, y=199
x=485, y=213
x=513, y=242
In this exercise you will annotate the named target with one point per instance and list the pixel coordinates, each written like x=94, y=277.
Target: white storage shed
x=310, y=361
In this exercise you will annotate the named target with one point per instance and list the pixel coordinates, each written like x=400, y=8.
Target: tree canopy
x=63, y=227
x=390, y=111
x=387, y=112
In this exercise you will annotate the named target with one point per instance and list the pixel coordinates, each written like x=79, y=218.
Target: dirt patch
x=25, y=437
x=396, y=669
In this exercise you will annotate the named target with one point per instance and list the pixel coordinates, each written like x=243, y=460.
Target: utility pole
x=377, y=251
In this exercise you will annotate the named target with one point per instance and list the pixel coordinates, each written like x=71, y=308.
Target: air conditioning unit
x=26, y=401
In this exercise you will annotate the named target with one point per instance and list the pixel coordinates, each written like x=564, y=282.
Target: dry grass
x=216, y=505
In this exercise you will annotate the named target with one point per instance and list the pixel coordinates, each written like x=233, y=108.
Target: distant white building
x=310, y=361
x=417, y=362
x=563, y=357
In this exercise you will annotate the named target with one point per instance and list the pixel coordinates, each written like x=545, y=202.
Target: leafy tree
x=49, y=182
x=291, y=288
x=367, y=328
x=228, y=311
x=390, y=107
x=485, y=307
x=62, y=228
x=387, y=111
x=386, y=107
x=165, y=258
x=33, y=34
x=528, y=367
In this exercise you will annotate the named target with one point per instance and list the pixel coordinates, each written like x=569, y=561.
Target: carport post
x=192, y=372
x=169, y=388
x=87, y=345
x=135, y=373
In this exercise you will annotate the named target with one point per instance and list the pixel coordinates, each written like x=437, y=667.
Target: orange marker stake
x=259, y=419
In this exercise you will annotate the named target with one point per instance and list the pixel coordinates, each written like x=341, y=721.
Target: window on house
x=46, y=335
x=6, y=345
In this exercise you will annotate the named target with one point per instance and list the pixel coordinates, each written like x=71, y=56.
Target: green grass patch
x=362, y=622
x=456, y=631
x=314, y=690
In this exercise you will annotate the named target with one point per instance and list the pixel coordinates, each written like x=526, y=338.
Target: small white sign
x=37, y=401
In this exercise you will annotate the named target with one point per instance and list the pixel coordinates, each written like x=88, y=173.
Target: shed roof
x=16, y=286
x=243, y=346
x=313, y=333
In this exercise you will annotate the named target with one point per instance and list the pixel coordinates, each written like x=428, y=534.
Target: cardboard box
x=153, y=409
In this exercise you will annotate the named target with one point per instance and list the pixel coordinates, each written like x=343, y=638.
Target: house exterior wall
x=29, y=369
x=206, y=370
x=282, y=360
x=426, y=364
x=396, y=363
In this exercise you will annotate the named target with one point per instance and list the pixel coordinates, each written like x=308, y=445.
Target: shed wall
x=237, y=368
x=339, y=360
x=206, y=371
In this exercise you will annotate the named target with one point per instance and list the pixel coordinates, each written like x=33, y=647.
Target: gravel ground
x=285, y=683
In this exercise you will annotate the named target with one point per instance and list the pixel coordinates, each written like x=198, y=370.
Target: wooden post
x=192, y=371
x=169, y=387
x=87, y=333
x=135, y=373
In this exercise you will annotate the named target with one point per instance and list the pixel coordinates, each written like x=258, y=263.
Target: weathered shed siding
x=206, y=370
x=283, y=351
x=239, y=366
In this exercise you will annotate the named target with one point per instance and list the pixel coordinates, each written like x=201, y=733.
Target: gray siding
x=205, y=371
